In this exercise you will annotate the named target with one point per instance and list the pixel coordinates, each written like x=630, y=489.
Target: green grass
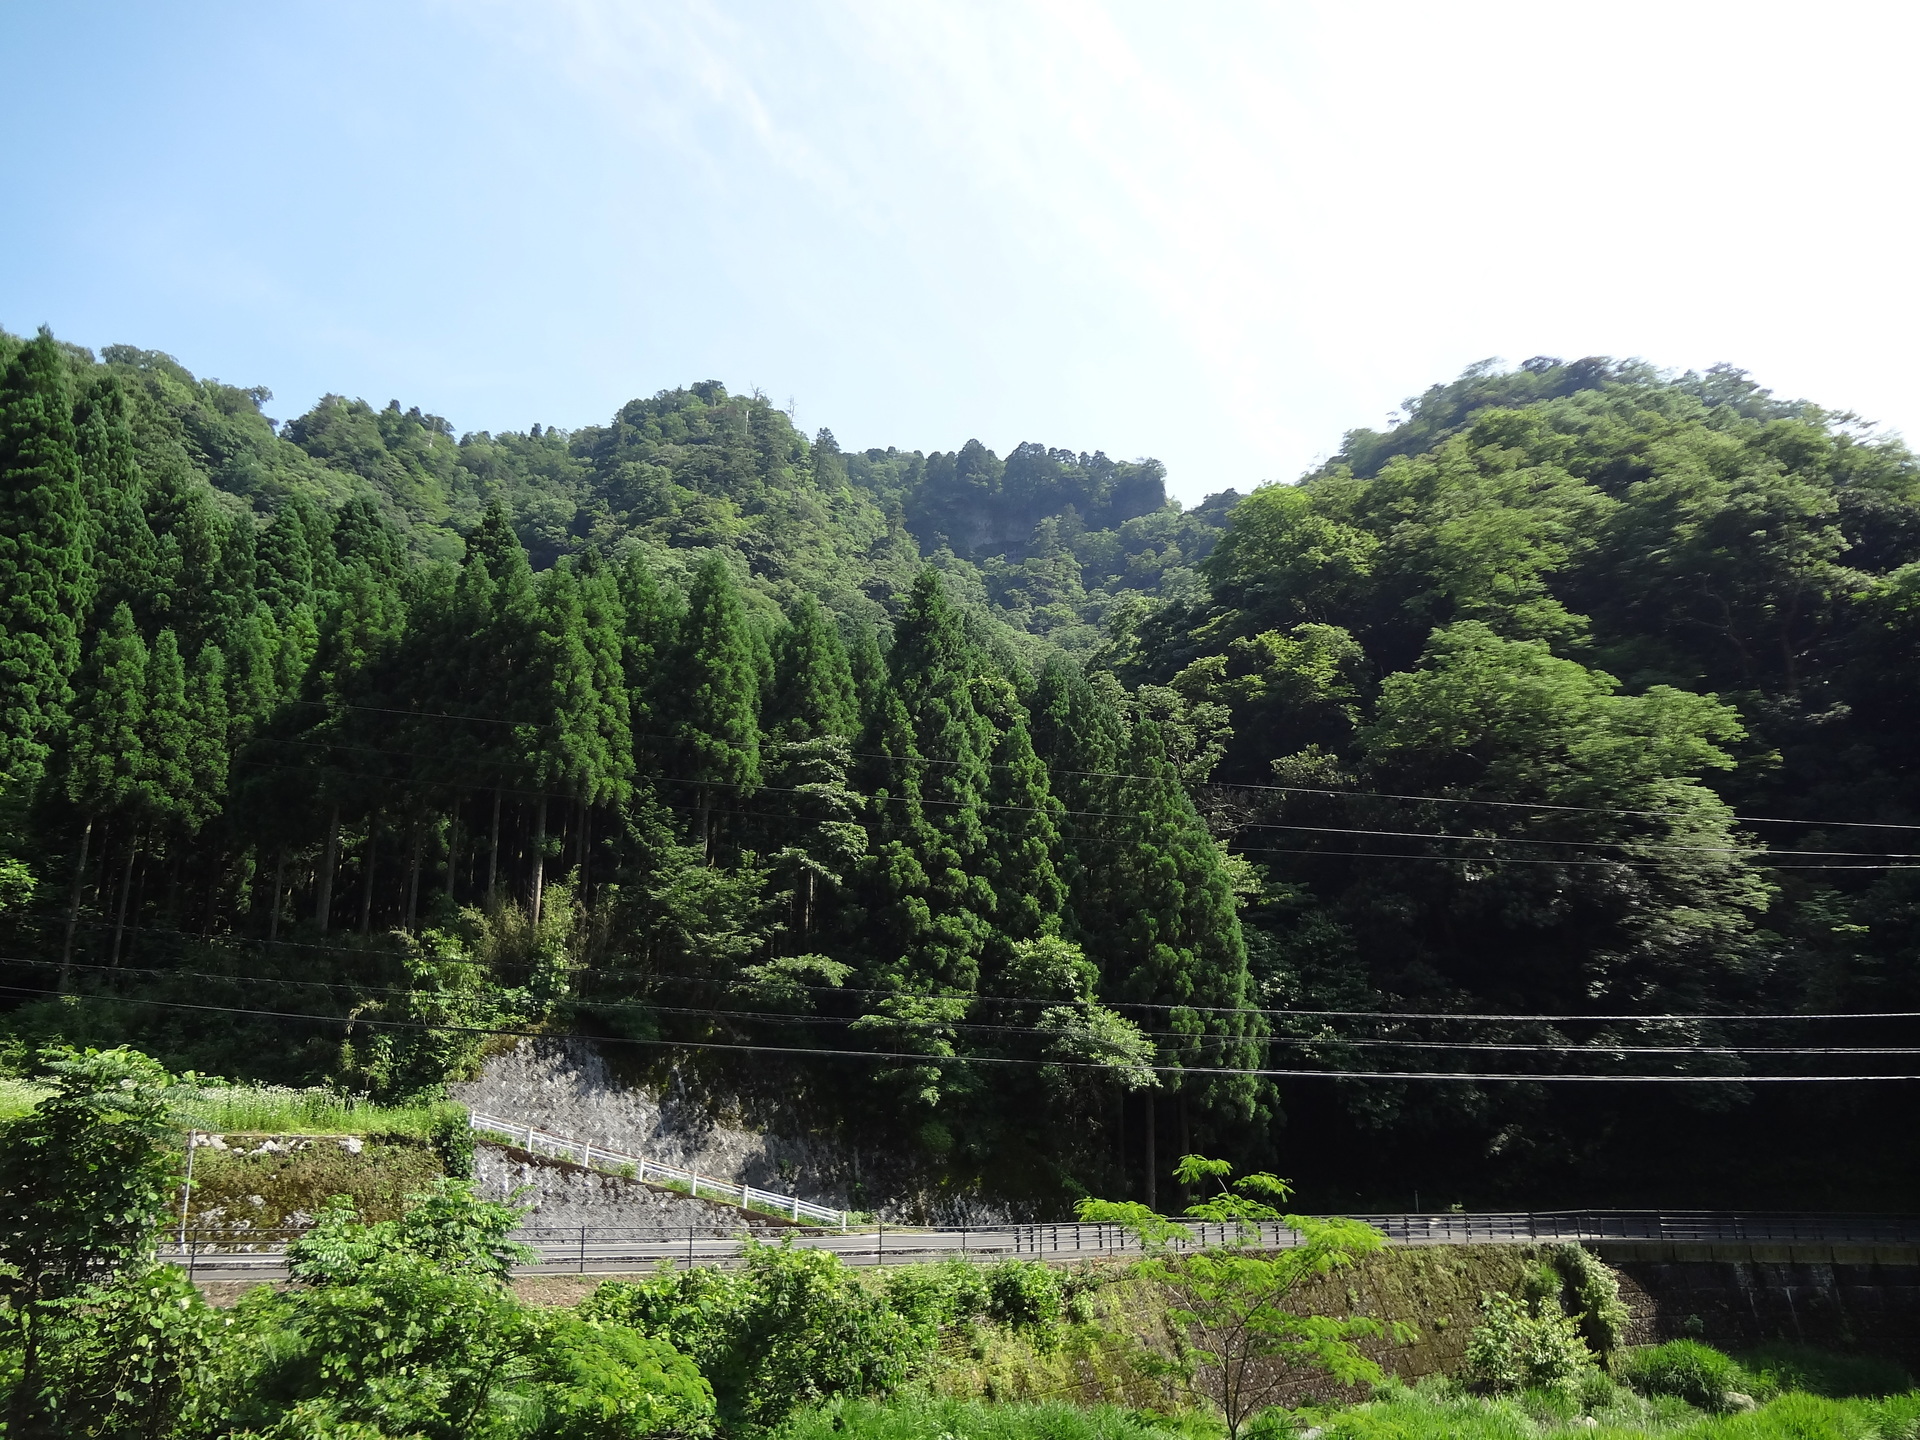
x=920, y=1417
x=1435, y=1411
x=265, y=1109
x=17, y=1096
x=283, y=1110
x=1780, y=1367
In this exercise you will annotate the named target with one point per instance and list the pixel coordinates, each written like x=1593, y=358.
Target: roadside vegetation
x=405, y=1327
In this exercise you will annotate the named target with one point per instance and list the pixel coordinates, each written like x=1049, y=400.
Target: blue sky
x=1218, y=233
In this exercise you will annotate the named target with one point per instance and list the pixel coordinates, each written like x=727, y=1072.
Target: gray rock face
x=565, y=1086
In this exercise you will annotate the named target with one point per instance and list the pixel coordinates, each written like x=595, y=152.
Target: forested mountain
x=336, y=749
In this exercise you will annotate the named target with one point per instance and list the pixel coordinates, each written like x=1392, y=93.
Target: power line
x=1617, y=863
x=649, y=974
x=1745, y=851
x=581, y=1001
x=1238, y=785
x=917, y=1058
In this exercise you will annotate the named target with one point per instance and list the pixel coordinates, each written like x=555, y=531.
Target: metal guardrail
x=582, y=1152
x=585, y=1250
x=1679, y=1226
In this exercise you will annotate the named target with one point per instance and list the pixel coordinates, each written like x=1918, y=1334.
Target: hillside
x=997, y=811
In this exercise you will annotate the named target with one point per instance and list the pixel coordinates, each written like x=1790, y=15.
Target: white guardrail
x=581, y=1152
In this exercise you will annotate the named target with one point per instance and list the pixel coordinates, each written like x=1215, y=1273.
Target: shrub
x=1595, y=1291
x=607, y=1382
x=452, y=1137
x=1023, y=1293
x=1517, y=1347
x=938, y=1297
x=790, y=1328
x=1686, y=1370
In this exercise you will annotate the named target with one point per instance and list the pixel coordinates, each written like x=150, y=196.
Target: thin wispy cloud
x=1221, y=234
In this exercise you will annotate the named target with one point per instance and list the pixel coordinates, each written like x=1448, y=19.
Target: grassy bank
x=1432, y=1411
x=285, y=1110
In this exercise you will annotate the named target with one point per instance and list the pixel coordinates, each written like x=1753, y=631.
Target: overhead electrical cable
x=650, y=974
x=1323, y=792
x=923, y=1058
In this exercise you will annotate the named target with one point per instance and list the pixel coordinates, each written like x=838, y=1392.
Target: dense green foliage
x=665, y=730
x=1437, y=1412
x=1233, y=1305
x=352, y=725
x=405, y=1327
x=1686, y=1370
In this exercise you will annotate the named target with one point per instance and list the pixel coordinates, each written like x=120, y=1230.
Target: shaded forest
x=1560, y=730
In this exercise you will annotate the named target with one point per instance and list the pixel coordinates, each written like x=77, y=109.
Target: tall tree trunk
x=323, y=896
x=214, y=872
x=279, y=892
x=126, y=889
x=539, y=856
x=413, y=875
x=586, y=853
x=706, y=823
x=1186, y=1142
x=73, y=906
x=453, y=849
x=139, y=905
x=1153, y=1164
x=366, y=881
x=493, y=855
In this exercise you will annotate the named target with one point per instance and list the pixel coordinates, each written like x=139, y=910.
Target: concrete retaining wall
x=565, y=1196
x=566, y=1086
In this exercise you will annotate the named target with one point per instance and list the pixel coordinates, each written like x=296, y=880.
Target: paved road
x=599, y=1252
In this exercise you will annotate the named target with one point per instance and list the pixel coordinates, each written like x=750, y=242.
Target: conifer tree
x=118, y=536
x=1179, y=943
x=932, y=667
x=650, y=629
x=716, y=708
x=167, y=739
x=1078, y=734
x=207, y=752
x=341, y=702
x=810, y=721
x=252, y=687
x=1023, y=836
x=285, y=558
x=584, y=729
x=105, y=759
x=43, y=562
x=189, y=535
x=870, y=684
x=235, y=584
x=361, y=533
x=812, y=692
x=935, y=746
x=502, y=670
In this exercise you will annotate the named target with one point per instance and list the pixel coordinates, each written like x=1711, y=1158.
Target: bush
x=607, y=1382
x=790, y=1328
x=1595, y=1292
x=452, y=1137
x=1517, y=1347
x=1686, y=1370
x=1022, y=1294
x=938, y=1297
